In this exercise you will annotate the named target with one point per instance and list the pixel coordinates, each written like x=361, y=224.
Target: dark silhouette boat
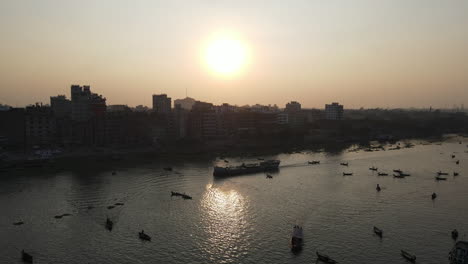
x=439, y=178
x=347, y=173
x=325, y=258
x=441, y=173
x=269, y=176
x=382, y=174
x=110, y=206
x=457, y=162
x=378, y=231
x=58, y=216
x=373, y=168
x=109, y=224
x=459, y=253
x=119, y=204
x=398, y=171
x=454, y=234
x=453, y=156
x=114, y=173
x=296, y=238
x=455, y=174
x=398, y=176
x=18, y=223
x=144, y=236
x=268, y=165
x=378, y=188
x=183, y=195
x=344, y=163
x=408, y=256
x=26, y=257
x=433, y=196
x=314, y=162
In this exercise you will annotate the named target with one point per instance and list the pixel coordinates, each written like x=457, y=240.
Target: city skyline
x=362, y=54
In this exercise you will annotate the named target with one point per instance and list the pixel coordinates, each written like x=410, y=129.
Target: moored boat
x=408, y=256
x=296, y=238
x=268, y=165
x=439, y=178
x=398, y=176
x=314, y=162
x=441, y=173
x=373, y=168
x=382, y=174
x=347, y=173
x=325, y=258
x=398, y=171
x=344, y=163
x=378, y=231
x=144, y=236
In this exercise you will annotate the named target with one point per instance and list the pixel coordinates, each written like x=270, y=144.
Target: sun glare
x=226, y=55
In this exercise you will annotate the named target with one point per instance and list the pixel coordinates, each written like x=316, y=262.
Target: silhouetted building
x=40, y=126
x=161, y=104
x=292, y=107
x=185, y=103
x=61, y=106
x=203, y=121
x=334, y=111
x=86, y=104
x=12, y=128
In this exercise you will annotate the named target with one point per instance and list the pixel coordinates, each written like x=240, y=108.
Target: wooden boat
x=314, y=162
x=398, y=176
x=398, y=171
x=119, y=204
x=373, y=168
x=269, y=176
x=18, y=223
x=457, y=162
x=453, y=156
x=347, y=173
x=325, y=258
x=378, y=188
x=110, y=206
x=438, y=178
x=26, y=257
x=183, y=195
x=144, y=236
x=408, y=256
x=455, y=174
x=296, y=238
x=227, y=161
x=58, y=216
x=433, y=196
x=109, y=224
x=344, y=163
x=382, y=174
x=454, y=234
x=442, y=173
x=378, y=231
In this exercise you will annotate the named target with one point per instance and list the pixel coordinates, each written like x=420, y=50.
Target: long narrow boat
x=454, y=234
x=373, y=168
x=408, y=256
x=382, y=174
x=442, y=173
x=26, y=257
x=325, y=258
x=296, y=238
x=438, y=178
x=347, y=173
x=398, y=176
x=344, y=163
x=109, y=224
x=144, y=236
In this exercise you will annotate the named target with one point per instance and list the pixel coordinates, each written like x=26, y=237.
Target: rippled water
x=244, y=219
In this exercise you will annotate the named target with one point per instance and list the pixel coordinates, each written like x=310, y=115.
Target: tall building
x=292, y=107
x=40, y=125
x=334, y=111
x=161, y=104
x=61, y=106
x=84, y=104
x=185, y=103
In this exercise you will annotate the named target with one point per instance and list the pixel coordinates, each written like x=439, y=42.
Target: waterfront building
x=161, y=104
x=334, y=111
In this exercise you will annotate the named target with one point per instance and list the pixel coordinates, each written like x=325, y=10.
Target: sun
x=226, y=55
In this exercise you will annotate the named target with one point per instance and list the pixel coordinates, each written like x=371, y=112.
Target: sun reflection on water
x=224, y=222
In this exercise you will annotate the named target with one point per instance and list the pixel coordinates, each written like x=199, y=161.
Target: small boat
x=26, y=257
x=438, y=178
x=344, y=163
x=183, y=195
x=398, y=171
x=382, y=174
x=408, y=256
x=109, y=224
x=378, y=231
x=405, y=174
x=58, y=216
x=314, y=162
x=433, y=196
x=454, y=234
x=398, y=176
x=110, y=206
x=296, y=238
x=227, y=161
x=373, y=168
x=347, y=173
x=90, y=207
x=453, y=156
x=114, y=173
x=144, y=236
x=325, y=258
x=18, y=223
x=457, y=162
x=442, y=173
x=455, y=174
x=167, y=168
x=378, y=188
x=269, y=176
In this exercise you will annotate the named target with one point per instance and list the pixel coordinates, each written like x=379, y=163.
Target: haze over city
x=361, y=53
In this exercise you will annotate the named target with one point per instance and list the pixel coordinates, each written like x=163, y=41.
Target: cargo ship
x=268, y=165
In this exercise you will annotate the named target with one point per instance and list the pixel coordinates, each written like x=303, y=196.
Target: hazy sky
x=387, y=53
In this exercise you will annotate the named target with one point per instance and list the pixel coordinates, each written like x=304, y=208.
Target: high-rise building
x=292, y=107
x=40, y=125
x=161, y=104
x=334, y=111
x=185, y=103
x=84, y=104
x=61, y=106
